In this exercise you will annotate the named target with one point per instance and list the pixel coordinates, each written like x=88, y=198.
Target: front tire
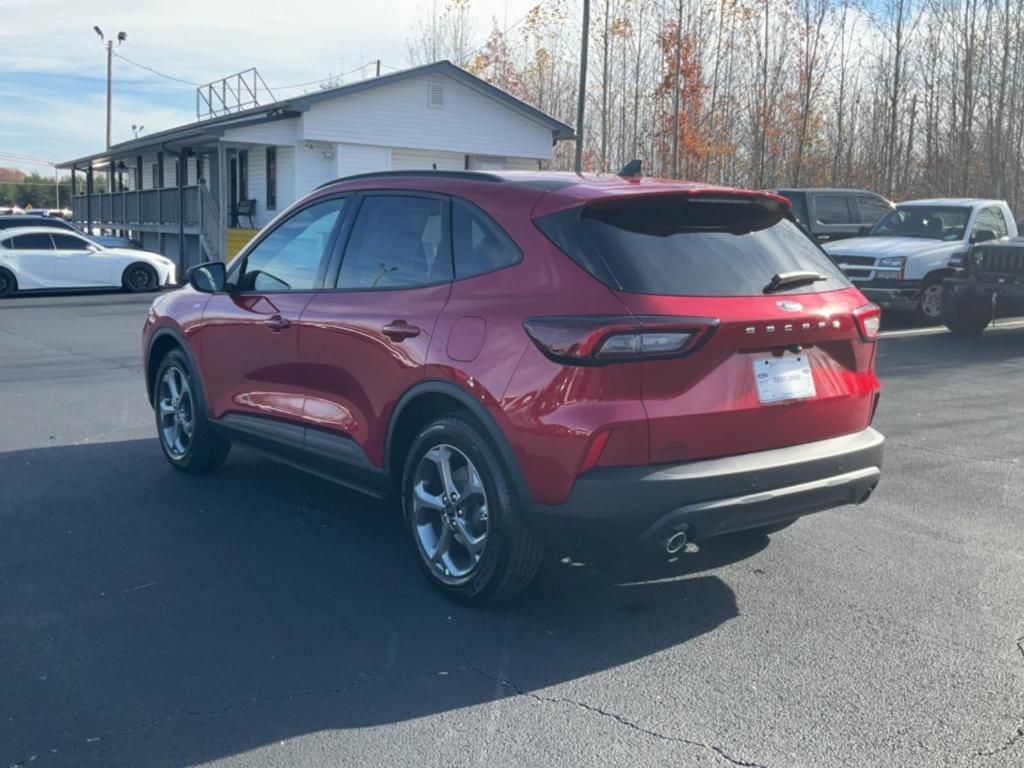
x=468, y=526
x=8, y=284
x=186, y=435
x=929, y=305
x=968, y=316
x=140, y=278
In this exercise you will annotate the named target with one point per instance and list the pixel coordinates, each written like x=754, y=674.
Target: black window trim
x=485, y=214
x=341, y=246
x=325, y=258
x=270, y=193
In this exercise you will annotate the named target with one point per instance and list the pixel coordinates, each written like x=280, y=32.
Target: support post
x=88, y=199
x=222, y=201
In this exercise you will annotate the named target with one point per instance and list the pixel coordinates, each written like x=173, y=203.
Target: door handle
x=397, y=330
x=276, y=323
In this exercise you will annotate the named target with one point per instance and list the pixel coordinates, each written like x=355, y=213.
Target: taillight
x=869, y=321
x=606, y=339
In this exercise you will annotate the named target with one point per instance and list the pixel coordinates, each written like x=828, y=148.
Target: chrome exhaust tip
x=675, y=542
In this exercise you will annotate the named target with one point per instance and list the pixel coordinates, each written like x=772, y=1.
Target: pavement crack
x=1015, y=737
x=615, y=717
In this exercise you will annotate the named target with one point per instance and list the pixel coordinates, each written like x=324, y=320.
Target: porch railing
x=126, y=210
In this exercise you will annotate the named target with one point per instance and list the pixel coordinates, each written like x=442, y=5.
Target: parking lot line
x=1000, y=325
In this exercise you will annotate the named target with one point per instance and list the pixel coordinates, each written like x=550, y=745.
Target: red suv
x=512, y=353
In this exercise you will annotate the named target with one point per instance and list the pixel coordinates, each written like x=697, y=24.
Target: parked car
x=903, y=260
x=517, y=355
x=836, y=214
x=40, y=258
x=12, y=210
x=990, y=278
x=41, y=220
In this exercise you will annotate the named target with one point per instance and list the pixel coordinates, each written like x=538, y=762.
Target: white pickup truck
x=901, y=262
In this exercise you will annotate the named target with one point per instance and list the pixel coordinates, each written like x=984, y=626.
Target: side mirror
x=863, y=231
x=210, y=277
x=983, y=236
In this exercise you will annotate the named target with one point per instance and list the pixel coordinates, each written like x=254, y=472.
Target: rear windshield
x=690, y=246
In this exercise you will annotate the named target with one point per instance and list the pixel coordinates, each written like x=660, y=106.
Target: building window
x=158, y=175
x=271, y=178
x=243, y=174
x=138, y=172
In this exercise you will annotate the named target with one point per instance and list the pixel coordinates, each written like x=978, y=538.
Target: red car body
x=349, y=366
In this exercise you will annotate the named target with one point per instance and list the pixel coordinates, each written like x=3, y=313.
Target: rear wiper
x=789, y=279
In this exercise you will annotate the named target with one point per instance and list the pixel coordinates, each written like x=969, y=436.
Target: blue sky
x=53, y=68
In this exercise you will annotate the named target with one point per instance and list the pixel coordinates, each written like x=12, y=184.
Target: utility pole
x=583, y=85
x=109, y=45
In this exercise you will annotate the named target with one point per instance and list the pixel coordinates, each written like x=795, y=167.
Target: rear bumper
x=717, y=496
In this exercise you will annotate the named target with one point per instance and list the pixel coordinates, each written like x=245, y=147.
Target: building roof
x=293, y=107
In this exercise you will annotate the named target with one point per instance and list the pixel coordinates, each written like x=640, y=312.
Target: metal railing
x=127, y=210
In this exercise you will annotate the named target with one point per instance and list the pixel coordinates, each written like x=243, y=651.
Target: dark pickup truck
x=989, y=280
x=835, y=214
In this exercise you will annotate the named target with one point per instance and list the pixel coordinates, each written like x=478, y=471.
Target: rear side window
x=34, y=242
x=690, y=246
x=481, y=246
x=397, y=241
x=68, y=242
x=833, y=209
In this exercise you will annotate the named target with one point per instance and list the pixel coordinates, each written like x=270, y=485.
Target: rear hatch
x=788, y=353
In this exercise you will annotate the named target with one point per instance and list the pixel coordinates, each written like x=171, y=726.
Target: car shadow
x=151, y=617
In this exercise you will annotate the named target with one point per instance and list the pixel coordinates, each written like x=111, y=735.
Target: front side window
x=35, y=242
x=690, y=246
x=481, y=245
x=992, y=220
x=288, y=259
x=929, y=222
x=398, y=241
x=833, y=209
x=872, y=208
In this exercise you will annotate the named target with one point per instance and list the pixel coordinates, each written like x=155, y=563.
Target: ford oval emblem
x=790, y=306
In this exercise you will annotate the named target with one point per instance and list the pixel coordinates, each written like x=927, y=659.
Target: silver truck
x=901, y=262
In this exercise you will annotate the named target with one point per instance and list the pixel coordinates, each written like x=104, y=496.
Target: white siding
x=359, y=158
x=398, y=115
x=426, y=160
x=258, y=183
x=147, y=171
x=276, y=132
x=313, y=166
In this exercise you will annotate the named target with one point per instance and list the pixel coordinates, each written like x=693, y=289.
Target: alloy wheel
x=450, y=515
x=931, y=300
x=177, y=412
x=139, y=279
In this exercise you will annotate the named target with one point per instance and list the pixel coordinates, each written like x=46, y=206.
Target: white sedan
x=40, y=258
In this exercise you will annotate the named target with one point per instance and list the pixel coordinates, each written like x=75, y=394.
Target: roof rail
x=467, y=175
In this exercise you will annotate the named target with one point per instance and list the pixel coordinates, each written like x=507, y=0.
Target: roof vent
x=435, y=95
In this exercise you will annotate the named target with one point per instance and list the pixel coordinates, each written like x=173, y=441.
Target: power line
x=155, y=72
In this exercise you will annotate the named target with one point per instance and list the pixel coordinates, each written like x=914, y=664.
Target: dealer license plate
x=783, y=378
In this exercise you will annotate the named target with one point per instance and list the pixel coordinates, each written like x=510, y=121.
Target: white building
x=436, y=116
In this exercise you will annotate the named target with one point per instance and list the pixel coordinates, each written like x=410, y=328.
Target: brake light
x=869, y=321
x=606, y=339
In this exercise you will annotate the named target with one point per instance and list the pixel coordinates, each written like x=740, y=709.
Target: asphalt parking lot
x=259, y=616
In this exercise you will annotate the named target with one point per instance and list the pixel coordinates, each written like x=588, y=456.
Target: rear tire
x=467, y=524
x=967, y=316
x=139, y=278
x=8, y=284
x=185, y=433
